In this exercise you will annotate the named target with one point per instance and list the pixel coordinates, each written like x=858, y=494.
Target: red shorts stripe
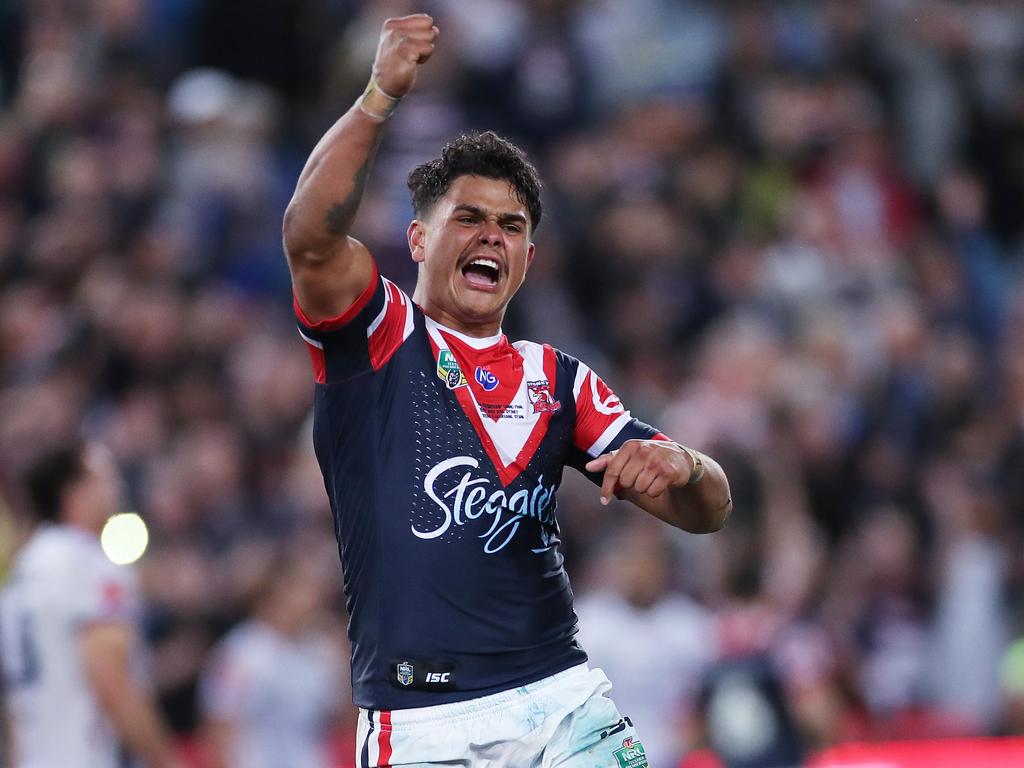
x=384, y=740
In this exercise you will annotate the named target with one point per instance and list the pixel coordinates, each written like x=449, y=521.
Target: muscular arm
x=330, y=269
x=106, y=652
x=656, y=476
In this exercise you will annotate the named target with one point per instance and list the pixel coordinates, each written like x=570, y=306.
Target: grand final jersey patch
x=509, y=400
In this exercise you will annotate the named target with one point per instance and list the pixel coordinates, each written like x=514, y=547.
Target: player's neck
x=482, y=329
x=281, y=622
x=85, y=523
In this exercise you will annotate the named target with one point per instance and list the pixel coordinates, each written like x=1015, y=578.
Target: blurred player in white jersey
x=68, y=642
x=653, y=641
x=274, y=686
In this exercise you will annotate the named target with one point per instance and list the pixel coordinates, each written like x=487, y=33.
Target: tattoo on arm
x=340, y=215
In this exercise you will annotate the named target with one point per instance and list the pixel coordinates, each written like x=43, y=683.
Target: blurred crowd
x=789, y=234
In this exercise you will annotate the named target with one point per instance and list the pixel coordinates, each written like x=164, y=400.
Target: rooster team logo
x=541, y=398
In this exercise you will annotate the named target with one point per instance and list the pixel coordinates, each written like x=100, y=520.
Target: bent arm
x=701, y=507
x=106, y=653
x=662, y=478
x=330, y=269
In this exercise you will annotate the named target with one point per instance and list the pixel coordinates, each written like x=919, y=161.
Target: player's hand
x=405, y=43
x=649, y=467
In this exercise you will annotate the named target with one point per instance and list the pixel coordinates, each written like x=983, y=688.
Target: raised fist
x=405, y=43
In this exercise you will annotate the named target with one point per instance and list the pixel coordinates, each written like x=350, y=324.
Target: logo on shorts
x=541, y=398
x=448, y=370
x=485, y=378
x=405, y=673
x=631, y=755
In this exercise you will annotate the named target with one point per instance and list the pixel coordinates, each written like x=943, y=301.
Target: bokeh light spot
x=124, y=538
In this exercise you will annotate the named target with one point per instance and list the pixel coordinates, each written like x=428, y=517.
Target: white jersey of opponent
x=278, y=693
x=61, y=582
x=656, y=656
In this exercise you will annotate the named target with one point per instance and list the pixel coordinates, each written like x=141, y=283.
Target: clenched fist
x=649, y=467
x=405, y=43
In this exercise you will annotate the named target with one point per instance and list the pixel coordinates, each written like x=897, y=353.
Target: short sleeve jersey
x=60, y=583
x=441, y=454
x=280, y=694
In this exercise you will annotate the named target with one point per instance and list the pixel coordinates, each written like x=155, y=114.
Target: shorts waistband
x=473, y=707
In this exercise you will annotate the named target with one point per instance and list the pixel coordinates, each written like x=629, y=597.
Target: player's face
x=473, y=249
x=96, y=494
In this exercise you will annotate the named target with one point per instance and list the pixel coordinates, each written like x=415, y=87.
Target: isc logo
x=438, y=677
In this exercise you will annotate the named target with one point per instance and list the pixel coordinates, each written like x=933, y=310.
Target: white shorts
x=565, y=720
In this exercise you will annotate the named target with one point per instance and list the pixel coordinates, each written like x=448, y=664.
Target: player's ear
x=417, y=237
x=529, y=255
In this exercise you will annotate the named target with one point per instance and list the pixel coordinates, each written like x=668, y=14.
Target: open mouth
x=482, y=272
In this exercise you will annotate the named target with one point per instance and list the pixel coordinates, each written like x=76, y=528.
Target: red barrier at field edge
x=943, y=753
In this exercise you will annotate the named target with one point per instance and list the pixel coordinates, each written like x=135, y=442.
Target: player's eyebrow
x=502, y=217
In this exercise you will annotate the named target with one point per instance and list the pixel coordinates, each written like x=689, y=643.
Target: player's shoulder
x=249, y=640
x=597, y=600
x=569, y=368
x=60, y=545
x=679, y=608
x=563, y=360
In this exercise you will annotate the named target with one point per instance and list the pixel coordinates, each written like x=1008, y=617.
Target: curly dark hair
x=479, y=154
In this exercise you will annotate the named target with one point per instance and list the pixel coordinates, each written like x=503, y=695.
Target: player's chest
x=501, y=404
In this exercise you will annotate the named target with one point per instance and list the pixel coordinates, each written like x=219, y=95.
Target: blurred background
x=789, y=234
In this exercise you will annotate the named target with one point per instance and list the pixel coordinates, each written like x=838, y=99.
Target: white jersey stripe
x=409, y=316
x=383, y=310
x=311, y=342
x=581, y=374
x=609, y=434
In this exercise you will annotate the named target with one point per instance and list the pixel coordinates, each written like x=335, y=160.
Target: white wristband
x=698, y=464
x=376, y=102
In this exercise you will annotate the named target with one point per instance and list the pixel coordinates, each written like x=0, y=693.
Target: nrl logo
x=631, y=755
x=541, y=398
x=405, y=673
x=448, y=370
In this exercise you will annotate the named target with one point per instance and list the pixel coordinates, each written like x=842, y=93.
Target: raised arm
x=683, y=487
x=330, y=269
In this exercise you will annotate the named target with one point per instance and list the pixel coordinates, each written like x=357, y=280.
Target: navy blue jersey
x=441, y=455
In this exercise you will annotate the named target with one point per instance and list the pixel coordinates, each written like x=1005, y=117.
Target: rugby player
x=442, y=444
x=68, y=637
